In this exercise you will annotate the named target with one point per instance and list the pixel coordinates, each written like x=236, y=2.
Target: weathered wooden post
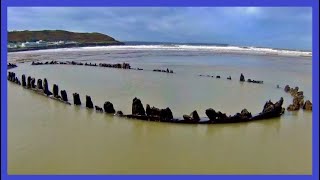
x=194, y=117
x=99, y=109
x=137, y=107
x=13, y=77
x=76, y=99
x=55, y=90
x=108, y=107
x=64, y=95
x=23, y=80
x=45, y=87
x=9, y=76
x=29, y=82
x=166, y=114
x=242, y=79
x=33, y=81
x=39, y=84
x=17, y=81
x=89, y=103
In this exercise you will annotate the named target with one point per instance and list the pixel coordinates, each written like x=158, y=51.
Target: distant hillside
x=59, y=35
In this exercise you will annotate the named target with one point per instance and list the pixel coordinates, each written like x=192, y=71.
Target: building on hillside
x=39, y=43
x=12, y=45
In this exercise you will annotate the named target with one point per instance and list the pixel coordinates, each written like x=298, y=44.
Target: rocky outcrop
x=108, y=107
x=89, y=103
x=298, y=98
x=64, y=95
x=307, y=105
x=294, y=91
x=137, y=107
x=294, y=107
x=76, y=99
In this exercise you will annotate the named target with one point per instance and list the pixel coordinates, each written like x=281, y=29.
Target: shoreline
x=65, y=46
x=209, y=49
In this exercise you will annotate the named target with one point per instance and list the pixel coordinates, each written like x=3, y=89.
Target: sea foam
x=213, y=49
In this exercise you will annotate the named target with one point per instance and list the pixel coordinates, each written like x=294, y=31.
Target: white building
x=71, y=42
x=12, y=45
x=39, y=43
x=29, y=44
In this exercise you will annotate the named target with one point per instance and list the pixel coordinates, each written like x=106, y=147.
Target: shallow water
x=46, y=136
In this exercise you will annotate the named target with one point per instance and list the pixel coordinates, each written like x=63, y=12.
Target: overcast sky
x=282, y=27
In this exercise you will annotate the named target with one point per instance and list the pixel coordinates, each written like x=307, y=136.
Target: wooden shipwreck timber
x=269, y=110
x=40, y=88
x=117, y=65
x=10, y=66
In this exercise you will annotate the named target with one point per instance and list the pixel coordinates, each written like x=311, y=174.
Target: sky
x=279, y=27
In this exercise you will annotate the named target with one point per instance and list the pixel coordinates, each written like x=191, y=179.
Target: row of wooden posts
x=150, y=113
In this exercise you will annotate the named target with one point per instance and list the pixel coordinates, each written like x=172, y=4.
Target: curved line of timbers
x=127, y=66
x=117, y=65
x=270, y=109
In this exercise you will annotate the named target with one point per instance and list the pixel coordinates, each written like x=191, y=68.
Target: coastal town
x=39, y=43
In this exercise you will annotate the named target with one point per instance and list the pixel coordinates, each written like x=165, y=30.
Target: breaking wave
x=190, y=48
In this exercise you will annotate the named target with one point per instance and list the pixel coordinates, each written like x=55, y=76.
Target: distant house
x=39, y=43
x=12, y=45
x=29, y=44
x=71, y=42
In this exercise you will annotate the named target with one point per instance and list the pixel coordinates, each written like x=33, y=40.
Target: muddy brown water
x=49, y=137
